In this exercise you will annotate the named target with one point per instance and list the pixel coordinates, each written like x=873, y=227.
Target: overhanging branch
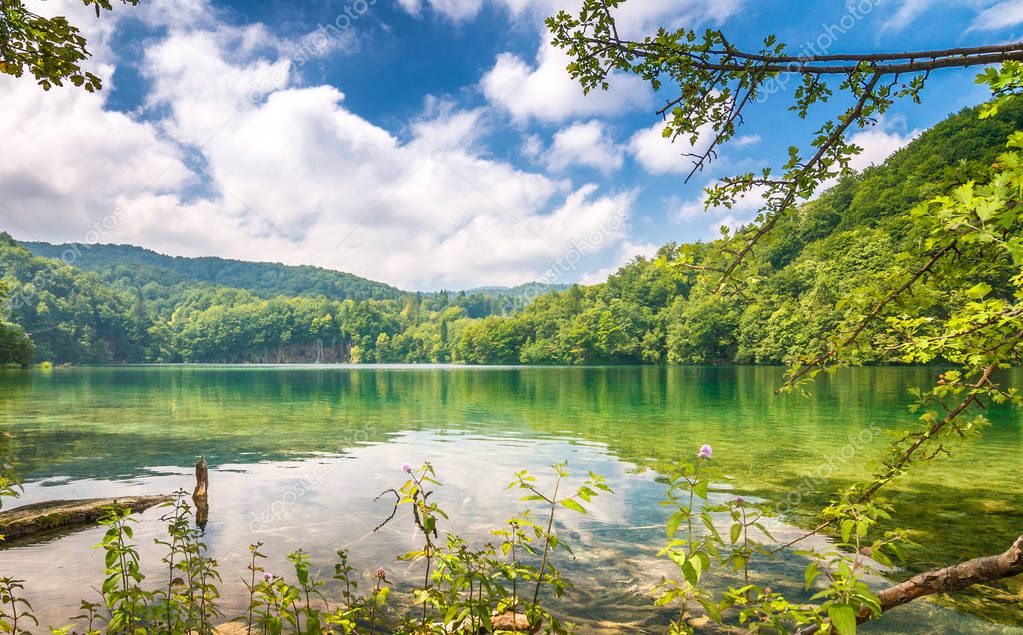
x=946, y=580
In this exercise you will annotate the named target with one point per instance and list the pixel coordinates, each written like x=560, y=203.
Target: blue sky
x=426, y=143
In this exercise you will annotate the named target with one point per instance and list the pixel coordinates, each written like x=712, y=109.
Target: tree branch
x=880, y=63
x=826, y=146
x=946, y=580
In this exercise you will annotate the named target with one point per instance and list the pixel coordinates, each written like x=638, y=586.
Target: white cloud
x=544, y=90
x=455, y=10
x=746, y=204
x=532, y=147
x=658, y=155
x=907, y=12
x=442, y=125
x=747, y=140
x=77, y=160
x=880, y=142
x=992, y=15
x=412, y=7
x=291, y=176
x=635, y=18
x=1000, y=16
x=585, y=143
x=547, y=93
x=627, y=252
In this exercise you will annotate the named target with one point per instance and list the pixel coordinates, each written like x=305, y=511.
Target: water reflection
x=298, y=454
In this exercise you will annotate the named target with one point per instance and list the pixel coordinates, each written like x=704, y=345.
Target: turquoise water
x=297, y=455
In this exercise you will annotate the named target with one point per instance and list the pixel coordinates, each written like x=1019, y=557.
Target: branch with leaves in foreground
x=966, y=245
x=51, y=49
x=712, y=84
x=946, y=580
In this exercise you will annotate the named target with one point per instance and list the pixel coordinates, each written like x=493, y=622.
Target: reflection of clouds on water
x=336, y=509
x=327, y=502
x=265, y=432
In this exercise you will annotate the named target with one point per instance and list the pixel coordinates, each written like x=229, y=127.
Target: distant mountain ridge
x=264, y=279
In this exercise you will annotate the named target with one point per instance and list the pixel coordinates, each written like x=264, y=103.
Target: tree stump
x=201, y=494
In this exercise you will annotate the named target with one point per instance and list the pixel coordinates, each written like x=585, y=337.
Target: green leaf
x=843, y=617
x=979, y=290
x=674, y=522
x=810, y=574
x=847, y=527
x=700, y=489
x=713, y=612
x=574, y=506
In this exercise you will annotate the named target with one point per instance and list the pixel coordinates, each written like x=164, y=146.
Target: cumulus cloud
x=585, y=143
x=742, y=212
x=77, y=160
x=746, y=140
x=627, y=252
x=992, y=15
x=246, y=160
x=545, y=91
x=455, y=10
x=542, y=90
x=880, y=142
x=658, y=155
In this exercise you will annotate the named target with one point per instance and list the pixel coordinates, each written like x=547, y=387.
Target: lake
x=297, y=455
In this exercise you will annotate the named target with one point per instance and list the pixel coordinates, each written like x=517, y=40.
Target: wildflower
x=705, y=451
x=740, y=501
x=406, y=468
x=268, y=577
x=381, y=574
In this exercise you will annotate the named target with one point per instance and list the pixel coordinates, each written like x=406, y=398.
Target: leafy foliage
x=51, y=49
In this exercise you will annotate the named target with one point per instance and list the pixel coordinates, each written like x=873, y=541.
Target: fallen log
x=46, y=516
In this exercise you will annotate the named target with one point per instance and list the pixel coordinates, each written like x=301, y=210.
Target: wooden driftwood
x=39, y=517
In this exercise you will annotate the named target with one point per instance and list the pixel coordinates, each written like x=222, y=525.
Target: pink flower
x=381, y=574
x=705, y=451
x=406, y=468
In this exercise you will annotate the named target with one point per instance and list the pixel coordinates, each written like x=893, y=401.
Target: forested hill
x=119, y=303
x=264, y=279
x=139, y=306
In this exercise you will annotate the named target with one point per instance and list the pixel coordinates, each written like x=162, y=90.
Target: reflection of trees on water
x=117, y=422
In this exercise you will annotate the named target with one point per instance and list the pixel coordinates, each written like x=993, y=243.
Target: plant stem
x=546, y=543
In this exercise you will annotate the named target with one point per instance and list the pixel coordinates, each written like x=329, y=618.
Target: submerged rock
x=512, y=622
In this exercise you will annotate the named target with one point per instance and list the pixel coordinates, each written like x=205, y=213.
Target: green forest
x=123, y=304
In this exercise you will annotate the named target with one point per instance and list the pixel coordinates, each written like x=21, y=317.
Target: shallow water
x=297, y=455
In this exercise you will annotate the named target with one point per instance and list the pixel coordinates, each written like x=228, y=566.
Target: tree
x=952, y=294
x=51, y=49
x=715, y=83
x=15, y=345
